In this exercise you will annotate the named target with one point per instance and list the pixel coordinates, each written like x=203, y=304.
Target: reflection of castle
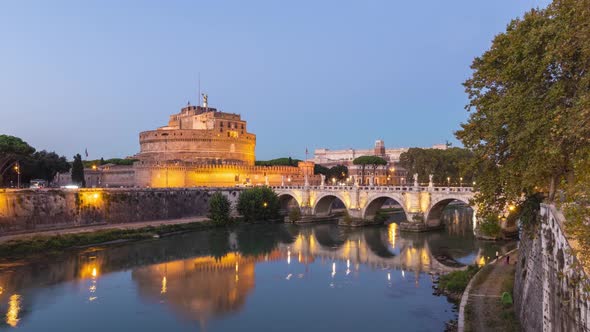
x=200, y=146
x=203, y=287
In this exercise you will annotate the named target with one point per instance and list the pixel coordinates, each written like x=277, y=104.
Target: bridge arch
x=434, y=213
x=288, y=201
x=375, y=203
x=324, y=204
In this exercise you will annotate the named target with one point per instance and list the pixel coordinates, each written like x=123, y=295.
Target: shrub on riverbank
x=219, y=209
x=490, y=226
x=258, y=204
x=457, y=281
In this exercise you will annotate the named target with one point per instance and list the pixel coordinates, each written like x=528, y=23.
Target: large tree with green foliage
x=47, y=164
x=258, y=204
x=530, y=100
x=78, y=171
x=373, y=161
x=13, y=149
x=442, y=164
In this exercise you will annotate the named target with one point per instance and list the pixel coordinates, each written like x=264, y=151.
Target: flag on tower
x=86, y=152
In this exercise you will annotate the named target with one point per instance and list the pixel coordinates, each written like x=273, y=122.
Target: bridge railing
x=382, y=188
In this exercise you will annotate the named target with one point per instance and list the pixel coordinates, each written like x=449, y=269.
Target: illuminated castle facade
x=200, y=146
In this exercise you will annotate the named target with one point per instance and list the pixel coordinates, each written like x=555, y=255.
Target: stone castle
x=200, y=146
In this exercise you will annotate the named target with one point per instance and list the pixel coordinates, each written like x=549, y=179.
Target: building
x=392, y=174
x=200, y=146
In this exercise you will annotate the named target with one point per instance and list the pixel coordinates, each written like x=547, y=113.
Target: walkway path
x=484, y=310
x=104, y=226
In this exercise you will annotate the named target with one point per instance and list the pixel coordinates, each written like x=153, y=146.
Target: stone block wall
x=31, y=210
x=549, y=285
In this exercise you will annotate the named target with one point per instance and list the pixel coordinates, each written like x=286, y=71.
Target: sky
x=77, y=75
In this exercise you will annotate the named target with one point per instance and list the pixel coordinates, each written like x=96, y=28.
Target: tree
x=47, y=164
x=78, y=171
x=451, y=163
x=372, y=161
x=319, y=169
x=219, y=208
x=13, y=149
x=258, y=204
x=530, y=97
x=338, y=172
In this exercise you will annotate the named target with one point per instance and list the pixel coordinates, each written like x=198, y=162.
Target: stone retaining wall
x=549, y=291
x=32, y=210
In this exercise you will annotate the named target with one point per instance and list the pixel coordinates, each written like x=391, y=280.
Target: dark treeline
x=451, y=163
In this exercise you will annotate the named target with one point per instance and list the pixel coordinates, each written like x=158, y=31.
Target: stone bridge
x=422, y=205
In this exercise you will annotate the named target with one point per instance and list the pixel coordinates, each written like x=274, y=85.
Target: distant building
x=392, y=174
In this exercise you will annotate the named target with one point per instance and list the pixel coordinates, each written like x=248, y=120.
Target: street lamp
x=461, y=182
x=449, y=181
x=17, y=170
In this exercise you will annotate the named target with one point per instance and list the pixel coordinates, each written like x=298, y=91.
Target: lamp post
x=449, y=181
x=461, y=182
x=17, y=170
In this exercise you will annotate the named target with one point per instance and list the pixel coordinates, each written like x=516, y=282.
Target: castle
x=200, y=146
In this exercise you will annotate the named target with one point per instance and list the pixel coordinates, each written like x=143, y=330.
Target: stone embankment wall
x=549, y=289
x=31, y=210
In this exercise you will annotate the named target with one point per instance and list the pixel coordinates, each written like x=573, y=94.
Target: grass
x=457, y=281
x=57, y=243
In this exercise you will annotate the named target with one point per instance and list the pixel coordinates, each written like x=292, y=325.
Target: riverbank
x=485, y=305
x=56, y=241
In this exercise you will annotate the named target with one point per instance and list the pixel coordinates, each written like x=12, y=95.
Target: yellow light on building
x=511, y=207
x=94, y=167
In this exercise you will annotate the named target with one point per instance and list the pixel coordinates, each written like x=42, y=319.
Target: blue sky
x=334, y=74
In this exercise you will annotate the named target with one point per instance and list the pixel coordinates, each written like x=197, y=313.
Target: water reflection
x=209, y=276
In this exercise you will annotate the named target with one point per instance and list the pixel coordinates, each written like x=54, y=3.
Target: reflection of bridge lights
x=388, y=276
x=94, y=273
x=289, y=257
x=403, y=274
x=392, y=230
x=347, y=266
x=13, y=310
x=164, y=285
x=1, y=290
x=333, y=269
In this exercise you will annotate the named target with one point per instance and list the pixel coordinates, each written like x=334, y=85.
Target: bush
x=219, y=209
x=457, y=281
x=490, y=227
x=294, y=214
x=258, y=204
x=506, y=299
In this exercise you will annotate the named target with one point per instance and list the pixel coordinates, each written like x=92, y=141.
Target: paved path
x=99, y=227
x=484, y=311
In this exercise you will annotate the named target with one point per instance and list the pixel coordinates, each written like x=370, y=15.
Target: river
x=251, y=278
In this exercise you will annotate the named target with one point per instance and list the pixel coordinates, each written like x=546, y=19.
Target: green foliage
x=78, y=171
x=530, y=97
x=47, y=164
x=457, y=281
x=294, y=214
x=490, y=226
x=319, y=169
x=258, y=204
x=12, y=149
x=278, y=162
x=338, y=172
x=219, y=209
x=506, y=299
x=453, y=163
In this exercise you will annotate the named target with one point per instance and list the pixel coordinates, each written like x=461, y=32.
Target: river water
x=252, y=278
